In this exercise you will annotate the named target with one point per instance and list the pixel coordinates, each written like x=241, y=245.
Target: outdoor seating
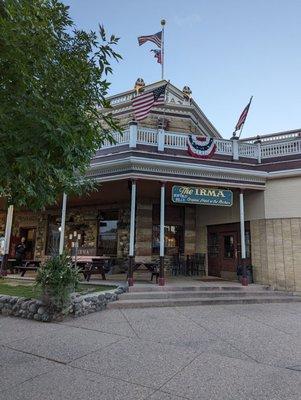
x=28, y=265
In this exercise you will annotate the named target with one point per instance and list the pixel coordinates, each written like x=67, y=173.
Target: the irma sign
x=199, y=195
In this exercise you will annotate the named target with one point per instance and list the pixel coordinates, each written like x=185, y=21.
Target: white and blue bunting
x=201, y=147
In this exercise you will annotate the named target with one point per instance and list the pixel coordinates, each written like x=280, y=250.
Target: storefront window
x=107, y=233
x=248, y=244
x=173, y=239
x=213, y=245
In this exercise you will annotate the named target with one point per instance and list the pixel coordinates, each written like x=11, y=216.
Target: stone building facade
x=263, y=174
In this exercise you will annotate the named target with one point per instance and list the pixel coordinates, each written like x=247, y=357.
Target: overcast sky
x=224, y=50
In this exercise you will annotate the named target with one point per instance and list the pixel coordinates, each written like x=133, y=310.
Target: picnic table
x=28, y=265
x=92, y=265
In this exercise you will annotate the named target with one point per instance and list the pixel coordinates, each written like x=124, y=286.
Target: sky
x=224, y=50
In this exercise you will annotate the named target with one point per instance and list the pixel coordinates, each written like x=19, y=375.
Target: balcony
x=274, y=147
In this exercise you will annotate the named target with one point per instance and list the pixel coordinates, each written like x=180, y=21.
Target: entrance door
x=224, y=253
x=30, y=236
x=229, y=251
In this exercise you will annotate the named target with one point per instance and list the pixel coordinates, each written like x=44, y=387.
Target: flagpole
x=163, y=22
x=246, y=117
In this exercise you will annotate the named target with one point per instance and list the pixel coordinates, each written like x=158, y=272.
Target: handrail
x=178, y=141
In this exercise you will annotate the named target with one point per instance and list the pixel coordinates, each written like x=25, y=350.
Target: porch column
x=63, y=222
x=162, y=225
x=8, y=227
x=244, y=281
x=132, y=234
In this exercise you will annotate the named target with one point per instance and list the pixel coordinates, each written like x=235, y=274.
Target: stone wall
x=190, y=230
x=144, y=226
x=79, y=305
x=276, y=252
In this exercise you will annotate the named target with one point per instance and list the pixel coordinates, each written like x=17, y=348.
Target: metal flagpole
x=163, y=22
x=246, y=117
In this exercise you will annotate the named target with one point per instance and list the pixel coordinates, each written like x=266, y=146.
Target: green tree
x=53, y=83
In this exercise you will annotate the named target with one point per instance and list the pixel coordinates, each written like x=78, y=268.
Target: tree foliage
x=53, y=83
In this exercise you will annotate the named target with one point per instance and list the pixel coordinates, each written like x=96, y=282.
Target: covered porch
x=136, y=228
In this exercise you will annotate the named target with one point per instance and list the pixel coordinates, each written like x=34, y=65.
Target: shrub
x=57, y=279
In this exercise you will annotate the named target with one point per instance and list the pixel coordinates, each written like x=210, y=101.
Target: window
x=53, y=235
x=213, y=245
x=248, y=244
x=173, y=239
x=107, y=233
x=228, y=246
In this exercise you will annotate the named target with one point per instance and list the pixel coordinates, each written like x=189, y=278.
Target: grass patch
x=29, y=291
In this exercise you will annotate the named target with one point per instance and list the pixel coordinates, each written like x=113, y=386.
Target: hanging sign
x=202, y=196
x=201, y=147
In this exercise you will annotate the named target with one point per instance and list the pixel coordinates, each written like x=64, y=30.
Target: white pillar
x=133, y=134
x=259, y=152
x=242, y=225
x=162, y=236
x=162, y=219
x=132, y=222
x=8, y=227
x=161, y=139
x=63, y=222
x=235, y=155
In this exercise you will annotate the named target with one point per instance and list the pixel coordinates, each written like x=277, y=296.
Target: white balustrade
x=178, y=141
x=147, y=136
x=281, y=149
x=247, y=150
x=175, y=140
x=224, y=146
x=120, y=139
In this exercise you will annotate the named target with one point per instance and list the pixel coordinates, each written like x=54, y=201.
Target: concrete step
x=191, y=301
x=198, y=294
x=156, y=288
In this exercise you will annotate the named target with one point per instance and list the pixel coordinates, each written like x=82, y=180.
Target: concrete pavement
x=203, y=352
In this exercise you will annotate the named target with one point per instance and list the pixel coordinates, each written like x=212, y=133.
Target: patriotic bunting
x=201, y=147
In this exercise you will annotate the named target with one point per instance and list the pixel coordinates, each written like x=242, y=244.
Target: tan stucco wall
x=282, y=198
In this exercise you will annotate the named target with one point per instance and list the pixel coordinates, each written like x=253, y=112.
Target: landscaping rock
x=79, y=305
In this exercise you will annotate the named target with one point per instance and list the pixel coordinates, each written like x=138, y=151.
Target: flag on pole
x=143, y=103
x=243, y=116
x=158, y=55
x=156, y=38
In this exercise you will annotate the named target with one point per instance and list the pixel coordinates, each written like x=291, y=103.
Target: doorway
x=224, y=249
x=30, y=240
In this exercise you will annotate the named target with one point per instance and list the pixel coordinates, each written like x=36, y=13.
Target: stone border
x=80, y=305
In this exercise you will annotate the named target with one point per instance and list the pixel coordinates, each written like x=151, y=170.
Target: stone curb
x=80, y=305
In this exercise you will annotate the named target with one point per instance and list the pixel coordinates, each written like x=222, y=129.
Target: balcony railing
x=178, y=141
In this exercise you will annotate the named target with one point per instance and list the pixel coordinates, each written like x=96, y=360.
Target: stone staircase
x=142, y=296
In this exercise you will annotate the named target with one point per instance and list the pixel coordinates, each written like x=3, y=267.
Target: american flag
x=243, y=116
x=156, y=38
x=143, y=103
x=158, y=55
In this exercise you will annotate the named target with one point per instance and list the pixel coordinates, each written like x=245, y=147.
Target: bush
x=57, y=279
